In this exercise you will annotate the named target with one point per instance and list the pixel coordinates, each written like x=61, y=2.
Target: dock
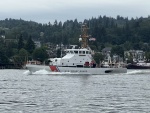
x=11, y=66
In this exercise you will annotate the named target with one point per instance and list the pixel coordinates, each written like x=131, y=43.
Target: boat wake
x=135, y=72
x=27, y=72
x=42, y=72
x=45, y=72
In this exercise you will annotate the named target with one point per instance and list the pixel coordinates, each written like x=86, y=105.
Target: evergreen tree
x=58, y=53
x=23, y=54
x=118, y=50
x=20, y=43
x=3, y=58
x=40, y=54
x=98, y=57
x=30, y=46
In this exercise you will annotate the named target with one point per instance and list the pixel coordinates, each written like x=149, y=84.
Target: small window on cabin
x=71, y=52
x=67, y=51
x=83, y=52
x=76, y=52
x=80, y=52
x=87, y=52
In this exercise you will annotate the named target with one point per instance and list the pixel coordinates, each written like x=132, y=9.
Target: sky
x=45, y=11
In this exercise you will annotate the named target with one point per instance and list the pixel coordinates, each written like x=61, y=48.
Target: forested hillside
x=105, y=29
x=113, y=32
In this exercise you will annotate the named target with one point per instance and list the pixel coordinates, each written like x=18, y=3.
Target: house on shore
x=134, y=55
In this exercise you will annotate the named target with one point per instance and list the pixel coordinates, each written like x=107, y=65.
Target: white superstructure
x=73, y=58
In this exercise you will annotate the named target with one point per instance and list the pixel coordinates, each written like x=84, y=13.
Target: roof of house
x=107, y=49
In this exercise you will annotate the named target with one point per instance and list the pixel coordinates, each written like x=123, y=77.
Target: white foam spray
x=27, y=72
x=45, y=72
x=133, y=72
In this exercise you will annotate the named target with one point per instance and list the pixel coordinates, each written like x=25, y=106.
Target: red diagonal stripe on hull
x=53, y=68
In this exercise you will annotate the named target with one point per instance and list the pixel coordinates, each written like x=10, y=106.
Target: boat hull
x=76, y=70
x=135, y=66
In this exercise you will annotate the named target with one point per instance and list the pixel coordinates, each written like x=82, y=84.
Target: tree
x=58, y=53
x=30, y=45
x=118, y=50
x=23, y=54
x=3, y=58
x=98, y=57
x=147, y=55
x=40, y=54
x=20, y=43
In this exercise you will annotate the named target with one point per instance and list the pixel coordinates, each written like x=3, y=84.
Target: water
x=46, y=93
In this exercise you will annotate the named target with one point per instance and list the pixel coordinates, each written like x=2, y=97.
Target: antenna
x=84, y=36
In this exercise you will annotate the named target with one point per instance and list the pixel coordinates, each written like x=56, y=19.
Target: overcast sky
x=44, y=11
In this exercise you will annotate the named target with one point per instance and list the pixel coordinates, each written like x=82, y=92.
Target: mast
x=84, y=36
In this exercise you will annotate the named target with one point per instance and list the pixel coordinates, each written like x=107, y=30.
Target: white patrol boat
x=77, y=61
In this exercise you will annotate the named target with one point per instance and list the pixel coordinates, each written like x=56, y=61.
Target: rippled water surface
x=43, y=92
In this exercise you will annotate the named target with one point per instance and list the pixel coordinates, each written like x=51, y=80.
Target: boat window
x=67, y=51
x=80, y=52
x=71, y=52
x=83, y=52
x=87, y=52
x=76, y=52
